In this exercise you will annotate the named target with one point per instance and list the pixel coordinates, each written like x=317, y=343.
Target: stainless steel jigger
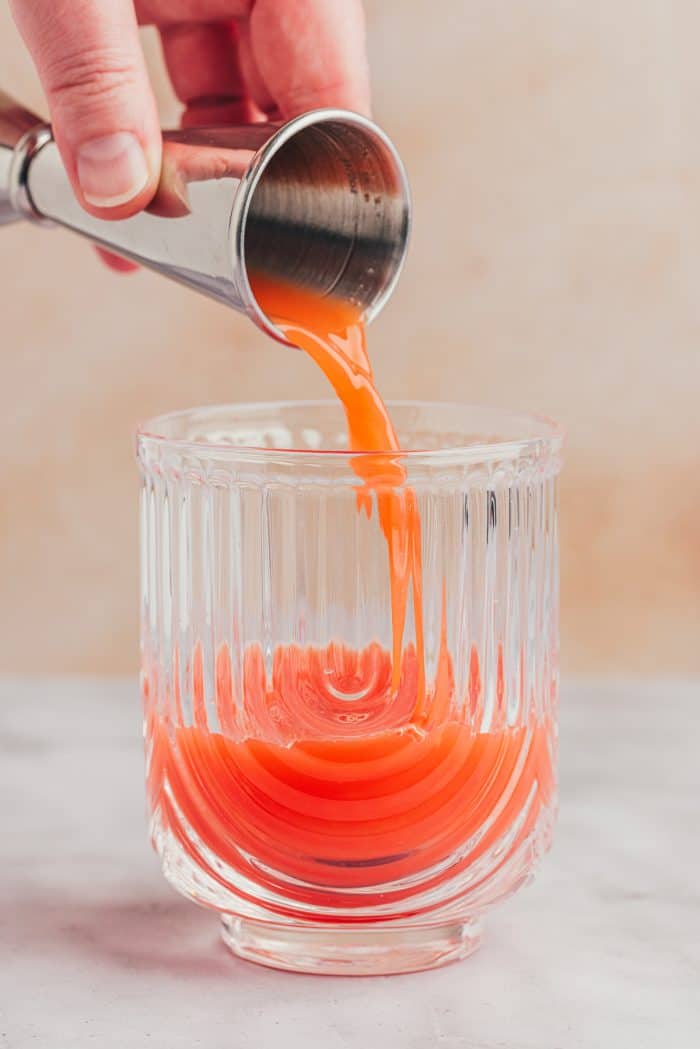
x=321, y=202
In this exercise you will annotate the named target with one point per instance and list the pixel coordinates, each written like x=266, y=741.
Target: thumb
x=104, y=116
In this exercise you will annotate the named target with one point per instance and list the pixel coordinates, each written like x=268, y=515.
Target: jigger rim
x=251, y=179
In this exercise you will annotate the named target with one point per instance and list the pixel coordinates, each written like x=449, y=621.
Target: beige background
x=554, y=152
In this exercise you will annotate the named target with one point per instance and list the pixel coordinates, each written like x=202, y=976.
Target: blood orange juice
x=349, y=661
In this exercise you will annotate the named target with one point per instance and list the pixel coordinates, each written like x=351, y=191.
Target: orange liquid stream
x=289, y=782
x=331, y=332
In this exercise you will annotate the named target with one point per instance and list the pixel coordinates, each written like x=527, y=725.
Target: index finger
x=311, y=53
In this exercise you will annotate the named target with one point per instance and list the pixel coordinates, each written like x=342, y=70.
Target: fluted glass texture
x=293, y=777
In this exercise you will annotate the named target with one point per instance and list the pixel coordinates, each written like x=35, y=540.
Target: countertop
x=602, y=952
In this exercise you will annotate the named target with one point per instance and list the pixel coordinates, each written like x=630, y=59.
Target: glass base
x=347, y=950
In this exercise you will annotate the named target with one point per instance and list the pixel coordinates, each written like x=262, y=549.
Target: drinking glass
x=343, y=814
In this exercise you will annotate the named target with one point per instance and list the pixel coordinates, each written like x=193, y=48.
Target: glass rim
x=546, y=442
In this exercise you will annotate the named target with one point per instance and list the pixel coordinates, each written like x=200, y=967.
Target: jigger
x=320, y=202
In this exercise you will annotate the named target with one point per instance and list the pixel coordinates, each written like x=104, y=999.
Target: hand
x=230, y=61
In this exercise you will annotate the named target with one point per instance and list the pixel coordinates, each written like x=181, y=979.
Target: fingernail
x=112, y=169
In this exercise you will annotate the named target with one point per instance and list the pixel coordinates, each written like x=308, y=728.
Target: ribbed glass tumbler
x=343, y=813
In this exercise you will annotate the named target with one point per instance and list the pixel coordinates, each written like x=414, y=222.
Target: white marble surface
x=603, y=952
